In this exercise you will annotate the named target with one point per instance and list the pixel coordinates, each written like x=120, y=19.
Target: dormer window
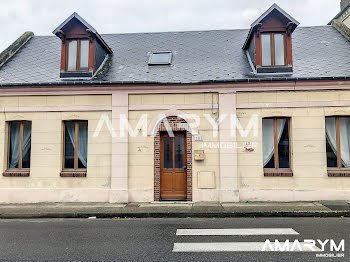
x=273, y=49
x=269, y=42
x=83, y=50
x=78, y=55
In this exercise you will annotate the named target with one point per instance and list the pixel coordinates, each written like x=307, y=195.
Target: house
x=342, y=20
x=229, y=115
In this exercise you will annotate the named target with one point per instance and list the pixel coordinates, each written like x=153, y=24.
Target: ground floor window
x=276, y=144
x=338, y=142
x=19, y=145
x=75, y=145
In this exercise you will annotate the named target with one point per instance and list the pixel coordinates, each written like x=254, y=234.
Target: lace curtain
x=14, y=144
x=15, y=129
x=331, y=135
x=268, y=137
x=82, y=140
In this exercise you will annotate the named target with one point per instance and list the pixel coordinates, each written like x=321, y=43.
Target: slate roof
x=198, y=56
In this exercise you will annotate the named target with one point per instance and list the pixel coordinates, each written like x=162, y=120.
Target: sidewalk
x=177, y=209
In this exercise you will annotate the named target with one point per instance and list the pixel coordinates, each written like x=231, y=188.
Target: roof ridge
x=209, y=30
x=189, y=31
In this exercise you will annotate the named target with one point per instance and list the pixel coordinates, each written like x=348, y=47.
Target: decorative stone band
x=73, y=174
x=278, y=173
x=16, y=173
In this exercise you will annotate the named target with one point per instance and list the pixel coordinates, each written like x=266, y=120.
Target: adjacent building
x=342, y=20
x=226, y=115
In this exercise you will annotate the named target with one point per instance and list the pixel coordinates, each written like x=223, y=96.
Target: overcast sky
x=126, y=16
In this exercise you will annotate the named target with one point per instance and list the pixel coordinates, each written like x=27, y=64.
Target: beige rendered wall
x=45, y=183
x=307, y=110
x=309, y=163
x=141, y=149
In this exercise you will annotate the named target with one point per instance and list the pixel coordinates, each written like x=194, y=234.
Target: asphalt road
x=157, y=239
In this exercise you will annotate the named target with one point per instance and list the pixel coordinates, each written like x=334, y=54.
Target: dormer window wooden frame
x=65, y=56
x=287, y=45
x=82, y=47
x=273, y=49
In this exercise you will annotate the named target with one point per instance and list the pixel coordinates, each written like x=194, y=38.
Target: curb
x=177, y=215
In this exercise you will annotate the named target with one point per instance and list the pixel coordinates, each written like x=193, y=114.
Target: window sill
x=75, y=74
x=15, y=173
x=73, y=174
x=274, y=69
x=338, y=173
x=278, y=173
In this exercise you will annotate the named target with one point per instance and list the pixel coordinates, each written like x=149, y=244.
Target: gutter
x=238, y=80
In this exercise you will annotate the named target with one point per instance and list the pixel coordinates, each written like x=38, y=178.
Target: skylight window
x=160, y=58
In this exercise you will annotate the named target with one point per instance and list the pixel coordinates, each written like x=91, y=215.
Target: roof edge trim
x=10, y=51
x=279, y=9
x=77, y=16
x=238, y=80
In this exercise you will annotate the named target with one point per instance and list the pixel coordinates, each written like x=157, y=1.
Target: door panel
x=173, y=172
x=167, y=152
x=179, y=181
x=179, y=151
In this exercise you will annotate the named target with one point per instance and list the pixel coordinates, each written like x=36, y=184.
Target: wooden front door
x=173, y=167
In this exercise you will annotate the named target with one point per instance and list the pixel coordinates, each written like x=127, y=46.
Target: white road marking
x=234, y=247
x=236, y=232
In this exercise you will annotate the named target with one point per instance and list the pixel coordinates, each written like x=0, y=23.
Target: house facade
x=230, y=115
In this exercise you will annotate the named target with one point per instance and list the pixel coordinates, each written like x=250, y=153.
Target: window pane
x=331, y=157
x=69, y=145
x=331, y=146
x=344, y=126
x=179, y=151
x=72, y=55
x=160, y=58
x=27, y=138
x=268, y=143
x=84, y=55
x=82, y=144
x=266, y=49
x=279, y=49
x=14, y=144
x=168, y=152
x=283, y=144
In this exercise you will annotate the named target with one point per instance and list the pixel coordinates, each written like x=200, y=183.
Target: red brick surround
x=173, y=122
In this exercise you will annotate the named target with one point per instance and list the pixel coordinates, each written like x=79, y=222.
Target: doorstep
x=172, y=202
x=166, y=204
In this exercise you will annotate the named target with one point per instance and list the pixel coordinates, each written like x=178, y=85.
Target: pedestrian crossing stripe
x=236, y=232
x=237, y=247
